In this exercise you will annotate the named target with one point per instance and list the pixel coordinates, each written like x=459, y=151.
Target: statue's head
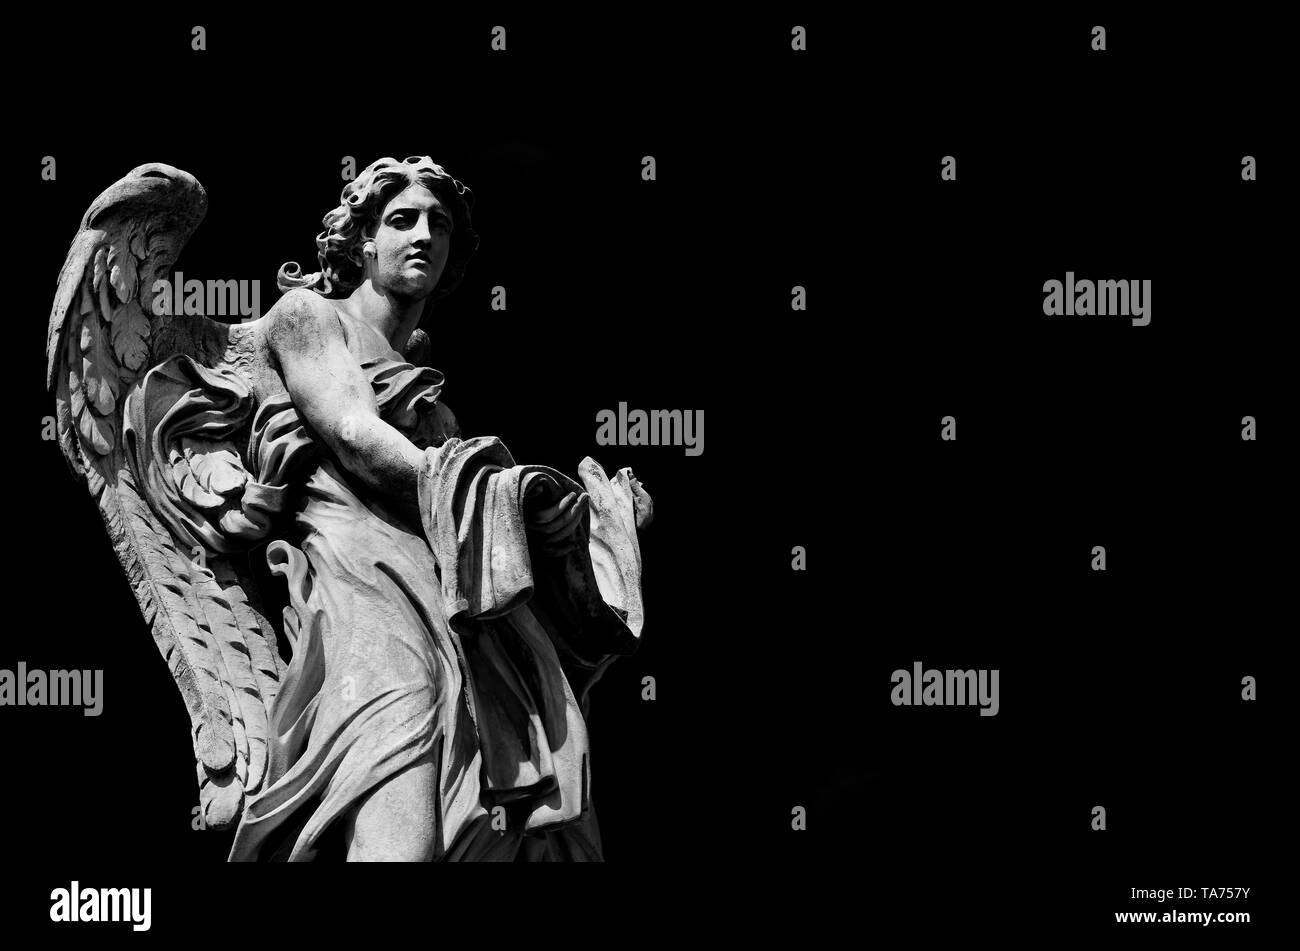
x=403, y=225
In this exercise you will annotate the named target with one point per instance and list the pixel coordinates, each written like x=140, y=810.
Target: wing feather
x=102, y=338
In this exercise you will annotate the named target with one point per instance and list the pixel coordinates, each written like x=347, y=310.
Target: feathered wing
x=149, y=418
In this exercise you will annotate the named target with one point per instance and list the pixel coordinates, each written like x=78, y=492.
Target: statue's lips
x=422, y=262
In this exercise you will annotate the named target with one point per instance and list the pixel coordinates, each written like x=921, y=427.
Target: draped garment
x=450, y=639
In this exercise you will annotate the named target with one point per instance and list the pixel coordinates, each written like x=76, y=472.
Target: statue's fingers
x=565, y=521
x=642, y=505
x=542, y=517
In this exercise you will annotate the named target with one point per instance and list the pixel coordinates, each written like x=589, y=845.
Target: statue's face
x=412, y=240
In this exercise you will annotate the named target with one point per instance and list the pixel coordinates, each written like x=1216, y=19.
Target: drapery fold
x=515, y=613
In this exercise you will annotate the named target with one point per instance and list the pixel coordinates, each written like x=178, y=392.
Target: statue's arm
x=331, y=393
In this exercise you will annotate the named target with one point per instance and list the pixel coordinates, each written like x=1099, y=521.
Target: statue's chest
x=365, y=343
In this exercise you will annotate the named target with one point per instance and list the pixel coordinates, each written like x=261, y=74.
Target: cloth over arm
x=536, y=631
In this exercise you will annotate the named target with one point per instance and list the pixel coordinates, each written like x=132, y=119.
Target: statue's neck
x=395, y=318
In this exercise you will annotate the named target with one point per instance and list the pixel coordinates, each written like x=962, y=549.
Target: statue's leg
x=396, y=821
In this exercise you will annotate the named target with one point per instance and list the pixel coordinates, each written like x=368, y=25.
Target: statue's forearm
x=383, y=459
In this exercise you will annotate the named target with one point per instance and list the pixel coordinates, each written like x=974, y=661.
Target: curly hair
x=353, y=221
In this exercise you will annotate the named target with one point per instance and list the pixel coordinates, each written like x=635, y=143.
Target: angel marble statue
x=445, y=610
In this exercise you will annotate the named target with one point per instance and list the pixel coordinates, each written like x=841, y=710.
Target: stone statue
x=447, y=609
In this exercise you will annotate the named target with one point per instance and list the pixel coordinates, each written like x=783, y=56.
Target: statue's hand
x=555, y=526
x=642, y=504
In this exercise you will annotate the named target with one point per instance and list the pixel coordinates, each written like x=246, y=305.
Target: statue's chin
x=415, y=289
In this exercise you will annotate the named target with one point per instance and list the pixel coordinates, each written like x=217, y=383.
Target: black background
x=775, y=168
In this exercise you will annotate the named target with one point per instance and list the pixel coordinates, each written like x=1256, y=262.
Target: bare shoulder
x=298, y=330
x=301, y=318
